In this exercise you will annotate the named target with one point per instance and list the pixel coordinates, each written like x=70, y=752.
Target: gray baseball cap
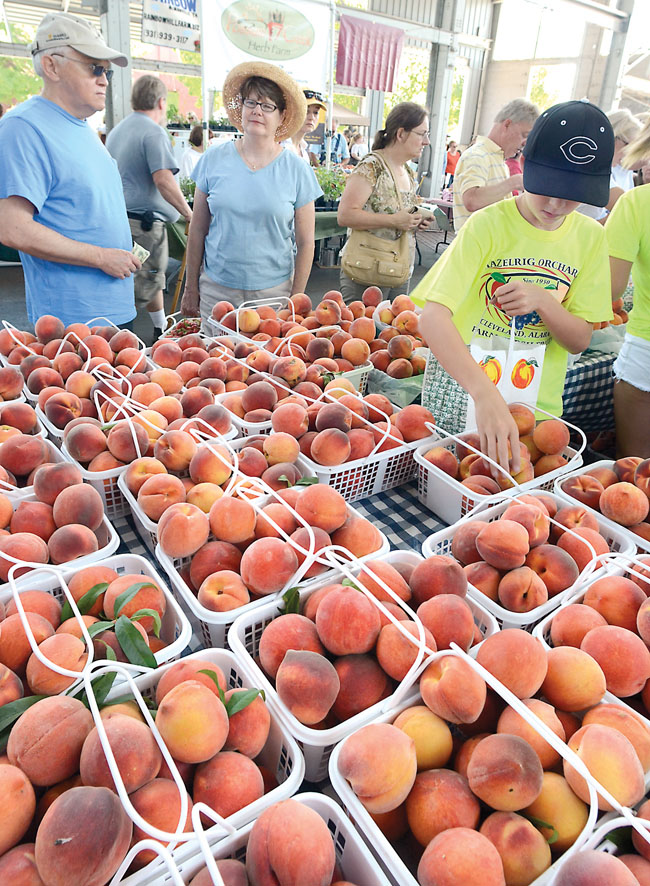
x=62, y=29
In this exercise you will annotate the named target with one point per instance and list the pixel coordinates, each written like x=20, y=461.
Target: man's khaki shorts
x=150, y=279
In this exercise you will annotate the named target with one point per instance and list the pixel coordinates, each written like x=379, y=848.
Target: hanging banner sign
x=172, y=23
x=283, y=33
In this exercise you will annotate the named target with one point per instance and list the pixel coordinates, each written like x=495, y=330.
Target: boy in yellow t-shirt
x=529, y=260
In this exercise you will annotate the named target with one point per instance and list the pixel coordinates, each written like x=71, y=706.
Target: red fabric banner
x=368, y=54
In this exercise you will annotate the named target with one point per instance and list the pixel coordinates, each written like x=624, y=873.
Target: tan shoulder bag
x=375, y=261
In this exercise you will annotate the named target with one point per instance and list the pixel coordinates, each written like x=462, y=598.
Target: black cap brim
x=566, y=184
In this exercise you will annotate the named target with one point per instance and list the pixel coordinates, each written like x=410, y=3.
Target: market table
x=588, y=398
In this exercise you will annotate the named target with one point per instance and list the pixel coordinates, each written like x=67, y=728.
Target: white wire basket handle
x=164, y=856
x=14, y=333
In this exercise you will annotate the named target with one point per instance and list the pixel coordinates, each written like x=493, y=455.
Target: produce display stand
x=440, y=543
x=642, y=543
x=317, y=744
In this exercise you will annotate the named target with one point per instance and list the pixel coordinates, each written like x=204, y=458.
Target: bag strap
x=392, y=175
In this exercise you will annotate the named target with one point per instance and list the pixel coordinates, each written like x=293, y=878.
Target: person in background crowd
x=191, y=154
x=626, y=128
x=515, y=166
x=2, y=109
x=61, y=200
x=552, y=284
x=358, y=149
x=339, y=152
x=481, y=176
x=251, y=195
x=153, y=197
x=628, y=239
x=453, y=155
x=642, y=175
x=370, y=200
x=297, y=142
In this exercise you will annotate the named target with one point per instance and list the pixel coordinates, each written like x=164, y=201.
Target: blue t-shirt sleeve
x=158, y=153
x=345, y=151
x=25, y=163
x=307, y=187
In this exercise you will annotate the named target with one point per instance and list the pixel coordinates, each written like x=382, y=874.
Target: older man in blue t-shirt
x=61, y=201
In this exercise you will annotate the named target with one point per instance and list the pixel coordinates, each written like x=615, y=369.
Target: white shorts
x=633, y=362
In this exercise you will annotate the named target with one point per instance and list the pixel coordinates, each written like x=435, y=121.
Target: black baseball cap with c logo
x=568, y=154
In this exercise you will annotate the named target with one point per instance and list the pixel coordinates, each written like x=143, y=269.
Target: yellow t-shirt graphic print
x=498, y=245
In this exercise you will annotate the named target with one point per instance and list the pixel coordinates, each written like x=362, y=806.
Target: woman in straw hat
x=250, y=196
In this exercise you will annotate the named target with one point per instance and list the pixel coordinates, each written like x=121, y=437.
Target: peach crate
x=448, y=499
x=397, y=860
x=353, y=858
x=642, y=544
x=212, y=627
x=317, y=744
x=440, y=543
x=280, y=755
x=147, y=528
x=175, y=629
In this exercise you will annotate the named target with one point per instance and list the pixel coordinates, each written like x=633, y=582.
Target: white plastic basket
x=147, y=528
x=386, y=304
x=280, y=755
x=107, y=538
x=317, y=744
x=400, y=868
x=641, y=543
x=213, y=627
x=370, y=475
x=353, y=857
x=440, y=543
x=175, y=629
x=450, y=500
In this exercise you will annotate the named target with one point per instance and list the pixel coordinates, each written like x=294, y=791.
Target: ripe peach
x=70, y=542
x=413, y=422
x=450, y=620
x=589, y=867
x=18, y=547
x=522, y=590
x=440, y=799
x=617, y=599
x=322, y=507
x=437, y=575
x=363, y=682
x=175, y=450
x=358, y=536
x=611, y=759
x=444, y=459
x=623, y=657
x=585, y=488
x=63, y=650
x=512, y=723
x=524, y=852
x=460, y=855
x=574, y=680
x=484, y=578
x=396, y=653
x=453, y=690
x=193, y=722
x=347, y=622
x=624, y=503
x=579, y=545
x=19, y=803
x=626, y=721
x=308, y=684
x=571, y=623
x=212, y=557
x=516, y=659
x=190, y=669
x=267, y=565
x=380, y=763
x=556, y=568
x=505, y=772
x=85, y=441
x=80, y=503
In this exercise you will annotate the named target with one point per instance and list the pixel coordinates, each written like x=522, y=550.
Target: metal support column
x=114, y=19
x=610, y=91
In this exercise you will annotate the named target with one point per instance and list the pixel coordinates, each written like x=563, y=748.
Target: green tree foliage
x=412, y=82
x=456, y=99
x=17, y=78
x=351, y=102
x=538, y=91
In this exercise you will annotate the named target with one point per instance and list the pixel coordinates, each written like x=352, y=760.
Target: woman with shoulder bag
x=379, y=205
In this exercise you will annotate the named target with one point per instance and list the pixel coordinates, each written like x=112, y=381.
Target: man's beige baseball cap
x=61, y=29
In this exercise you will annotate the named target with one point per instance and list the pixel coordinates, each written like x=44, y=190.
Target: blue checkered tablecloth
x=589, y=392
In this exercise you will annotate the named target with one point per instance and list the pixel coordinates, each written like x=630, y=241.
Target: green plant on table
x=188, y=186
x=332, y=181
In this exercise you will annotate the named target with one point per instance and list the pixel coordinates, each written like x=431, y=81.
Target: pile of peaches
x=338, y=337
x=521, y=559
x=540, y=447
x=56, y=782
x=620, y=315
x=620, y=492
x=236, y=552
x=96, y=589
x=342, y=654
x=59, y=522
x=495, y=803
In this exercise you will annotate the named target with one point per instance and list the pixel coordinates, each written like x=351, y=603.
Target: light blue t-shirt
x=58, y=163
x=249, y=243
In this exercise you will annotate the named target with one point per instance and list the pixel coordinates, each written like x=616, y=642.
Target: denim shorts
x=633, y=362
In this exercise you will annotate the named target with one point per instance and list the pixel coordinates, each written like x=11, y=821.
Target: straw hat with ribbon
x=296, y=103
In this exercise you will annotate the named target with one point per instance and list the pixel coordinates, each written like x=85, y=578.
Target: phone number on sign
x=163, y=35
